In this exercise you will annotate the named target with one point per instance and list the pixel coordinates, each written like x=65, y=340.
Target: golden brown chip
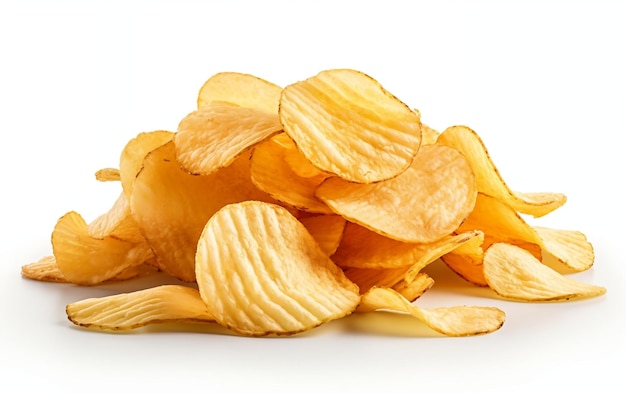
x=488, y=178
x=345, y=123
x=85, y=260
x=271, y=276
x=108, y=174
x=117, y=222
x=451, y=321
x=425, y=203
x=172, y=206
x=326, y=229
x=411, y=290
x=241, y=89
x=213, y=136
x=133, y=154
x=465, y=267
x=269, y=172
x=166, y=303
x=514, y=273
x=429, y=135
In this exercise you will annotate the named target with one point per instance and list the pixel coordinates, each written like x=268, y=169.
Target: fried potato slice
x=241, y=89
x=412, y=290
x=165, y=303
x=429, y=135
x=133, y=154
x=488, y=177
x=516, y=274
x=213, y=136
x=45, y=269
x=271, y=276
x=271, y=173
x=501, y=223
x=465, y=267
x=326, y=229
x=365, y=249
x=86, y=260
x=454, y=321
x=172, y=206
x=108, y=174
x=425, y=203
x=346, y=123
x=118, y=222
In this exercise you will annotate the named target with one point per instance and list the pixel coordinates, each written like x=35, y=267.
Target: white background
x=542, y=82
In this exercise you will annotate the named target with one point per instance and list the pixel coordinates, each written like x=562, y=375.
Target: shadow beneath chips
x=389, y=324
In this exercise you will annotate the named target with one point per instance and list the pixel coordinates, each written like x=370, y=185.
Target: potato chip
x=45, y=269
x=85, y=260
x=172, y=206
x=241, y=89
x=213, y=136
x=108, y=174
x=133, y=154
x=488, y=178
x=413, y=289
x=429, y=135
x=465, y=267
x=451, y=321
x=269, y=172
x=326, y=229
x=270, y=276
x=165, y=303
x=514, y=273
x=501, y=223
x=362, y=248
x=117, y=222
x=345, y=123
x=425, y=203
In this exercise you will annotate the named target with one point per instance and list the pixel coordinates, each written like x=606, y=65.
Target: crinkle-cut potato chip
x=271, y=173
x=514, y=273
x=362, y=248
x=501, y=223
x=213, y=136
x=172, y=206
x=241, y=89
x=298, y=163
x=133, y=154
x=326, y=229
x=429, y=135
x=346, y=123
x=270, y=277
x=85, y=260
x=454, y=321
x=45, y=269
x=426, y=202
x=488, y=177
x=412, y=290
x=165, y=303
x=108, y=174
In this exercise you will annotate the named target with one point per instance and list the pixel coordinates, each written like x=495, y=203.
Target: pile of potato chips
x=281, y=209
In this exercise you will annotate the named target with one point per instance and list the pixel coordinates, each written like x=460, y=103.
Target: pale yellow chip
x=413, y=289
x=425, y=203
x=86, y=260
x=45, y=269
x=429, y=135
x=133, y=154
x=514, y=273
x=241, y=89
x=488, y=178
x=213, y=136
x=451, y=321
x=271, y=276
x=298, y=163
x=271, y=173
x=326, y=229
x=346, y=123
x=172, y=206
x=501, y=223
x=108, y=174
x=365, y=249
x=118, y=222
x=165, y=303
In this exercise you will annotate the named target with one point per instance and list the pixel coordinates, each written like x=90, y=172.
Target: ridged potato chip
x=213, y=136
x=426, y=202
x=241, y=89
x=488, y=178
x=270, y=277
x=514, y=273
x=326, y=229
x=165, y=303
x=346, y=123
